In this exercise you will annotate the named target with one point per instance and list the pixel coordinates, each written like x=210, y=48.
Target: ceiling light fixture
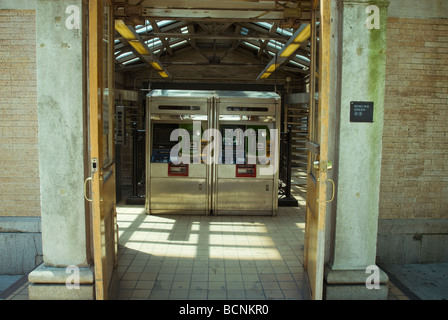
x=301, y=35
x=133, y=38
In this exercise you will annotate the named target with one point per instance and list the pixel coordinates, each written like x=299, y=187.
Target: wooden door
x=102, y=153
x=317, y=146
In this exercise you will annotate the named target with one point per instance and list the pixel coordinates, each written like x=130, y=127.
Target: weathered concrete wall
x=358, y=149
x=60, y=87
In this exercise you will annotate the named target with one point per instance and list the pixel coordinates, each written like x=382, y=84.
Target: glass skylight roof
x=125, y=56
x=284, y=31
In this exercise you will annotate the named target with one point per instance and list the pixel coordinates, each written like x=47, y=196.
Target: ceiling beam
x=194, y=45
x=191, y=30
x=165, y=40
x=189, y=14
x=299, y=51
x=210, y=15
x=224, y=27
x=213, y=4
x=233, y=47
x=235, y=43
x=234, y=64
x=207, y=36
x=263, y=44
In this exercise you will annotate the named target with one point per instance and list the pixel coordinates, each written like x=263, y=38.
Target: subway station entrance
x=148, y=256
x=88, y=183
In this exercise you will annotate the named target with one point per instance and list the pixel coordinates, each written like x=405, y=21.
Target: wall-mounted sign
x=120, y=125
x=361, y=111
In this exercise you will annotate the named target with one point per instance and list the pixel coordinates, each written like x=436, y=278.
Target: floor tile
x=197, y=294
x=199, y=285
x=270, y=285
x=142, y=284
x=234, y=285
x=210, y=257
x=274, y=294
x=288, y=285
x=236, y=294
x=217, y=295
x=217, y=285
x=253, y=294
x=140, y=294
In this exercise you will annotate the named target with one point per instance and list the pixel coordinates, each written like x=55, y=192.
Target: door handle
x=93, y=168
x=332, y=194
x=85, y=188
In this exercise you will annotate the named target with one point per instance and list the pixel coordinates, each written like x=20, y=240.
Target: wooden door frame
x=96, y=85
x=319, y=193
x=95, y=24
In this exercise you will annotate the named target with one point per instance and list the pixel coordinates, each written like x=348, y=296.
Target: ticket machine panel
x=177, y=178
x=247, y=122
x=233, y=179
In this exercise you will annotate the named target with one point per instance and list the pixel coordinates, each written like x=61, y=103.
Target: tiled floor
x=210, y=257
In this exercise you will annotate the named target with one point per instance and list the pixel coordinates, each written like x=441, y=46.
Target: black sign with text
x=361, y=111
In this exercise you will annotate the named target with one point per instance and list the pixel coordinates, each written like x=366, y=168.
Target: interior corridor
x=183, y=257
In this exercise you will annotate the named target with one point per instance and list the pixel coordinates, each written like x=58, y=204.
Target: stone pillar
x=61, y=111
x=362, y=60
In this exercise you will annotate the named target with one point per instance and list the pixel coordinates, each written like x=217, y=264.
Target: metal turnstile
x=238, y=175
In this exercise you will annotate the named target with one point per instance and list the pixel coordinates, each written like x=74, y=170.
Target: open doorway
x=243, y=46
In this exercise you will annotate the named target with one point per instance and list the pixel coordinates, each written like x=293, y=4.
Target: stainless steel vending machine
x=177, y=180
x=212, y=152
x=246, y=175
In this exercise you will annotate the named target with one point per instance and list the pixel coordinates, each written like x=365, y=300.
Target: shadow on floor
x=210, y=257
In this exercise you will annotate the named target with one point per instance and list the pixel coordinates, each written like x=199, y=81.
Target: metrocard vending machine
x=177, y=179
x=212, y=152
x=246, y=174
